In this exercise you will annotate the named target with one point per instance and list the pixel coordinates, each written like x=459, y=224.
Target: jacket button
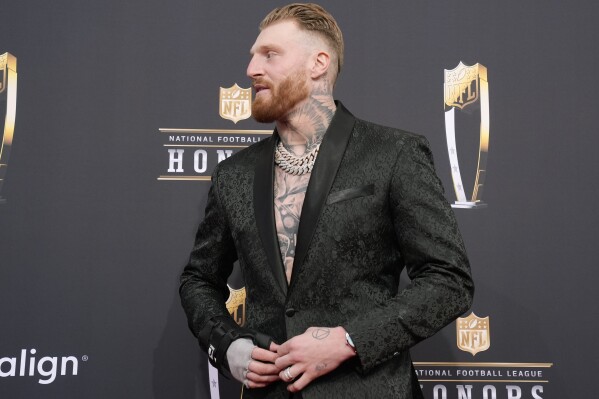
x=289, y=312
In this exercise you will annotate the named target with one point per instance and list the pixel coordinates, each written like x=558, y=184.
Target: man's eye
x=270, y=54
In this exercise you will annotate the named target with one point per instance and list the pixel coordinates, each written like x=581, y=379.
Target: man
x=322, y=216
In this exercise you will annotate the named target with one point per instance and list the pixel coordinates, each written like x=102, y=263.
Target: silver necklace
x=291, y=163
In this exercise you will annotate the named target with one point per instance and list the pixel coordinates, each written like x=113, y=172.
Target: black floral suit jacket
x=373, y=207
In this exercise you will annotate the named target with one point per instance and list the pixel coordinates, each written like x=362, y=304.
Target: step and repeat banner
x=113, y=115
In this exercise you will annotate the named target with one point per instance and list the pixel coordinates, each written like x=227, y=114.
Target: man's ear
x=320, y=65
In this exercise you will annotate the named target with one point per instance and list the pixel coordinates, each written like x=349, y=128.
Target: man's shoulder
x=244, y=156
x=386, y=134
x=243, y=160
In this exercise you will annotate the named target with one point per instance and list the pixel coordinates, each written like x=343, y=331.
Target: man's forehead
x=280, y=34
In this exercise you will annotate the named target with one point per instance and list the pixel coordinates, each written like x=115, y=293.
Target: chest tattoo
x=309, y=120
x=289, y=194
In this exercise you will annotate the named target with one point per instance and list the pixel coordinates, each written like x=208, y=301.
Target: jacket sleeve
x=203, y=288
x=433, y=252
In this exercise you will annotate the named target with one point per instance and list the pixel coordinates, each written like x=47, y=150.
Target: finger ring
x=288, y=373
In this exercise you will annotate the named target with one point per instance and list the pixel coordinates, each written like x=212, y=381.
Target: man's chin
x=264, y=119
x=262, y=112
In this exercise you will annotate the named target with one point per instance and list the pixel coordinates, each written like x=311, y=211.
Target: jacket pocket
x=350, y=193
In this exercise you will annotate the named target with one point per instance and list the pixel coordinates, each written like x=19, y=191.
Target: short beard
x=283, y=98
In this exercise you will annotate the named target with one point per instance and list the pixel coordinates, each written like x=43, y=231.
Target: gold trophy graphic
x=8, y=102
x=466, y=86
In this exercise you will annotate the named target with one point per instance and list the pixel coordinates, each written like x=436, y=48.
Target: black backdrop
x=92, y=242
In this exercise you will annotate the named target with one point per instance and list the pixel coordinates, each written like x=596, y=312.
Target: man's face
x=279, y=70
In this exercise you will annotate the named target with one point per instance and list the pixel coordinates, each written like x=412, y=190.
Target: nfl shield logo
x=235, y=103
x=473, y=333
x=236, y=305
x=461, y=85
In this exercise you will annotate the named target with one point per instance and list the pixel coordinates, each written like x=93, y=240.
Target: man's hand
x=252, y=366
x=316, y=352
x=261, y=368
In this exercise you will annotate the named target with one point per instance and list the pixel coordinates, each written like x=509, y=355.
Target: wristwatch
x=349, y=342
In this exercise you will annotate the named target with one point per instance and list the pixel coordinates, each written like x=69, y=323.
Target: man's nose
x=254, y=69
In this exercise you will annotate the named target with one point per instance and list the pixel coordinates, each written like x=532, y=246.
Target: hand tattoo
x=320, y=366
x=321, y=333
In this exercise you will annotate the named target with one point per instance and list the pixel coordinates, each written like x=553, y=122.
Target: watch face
x=349, y=341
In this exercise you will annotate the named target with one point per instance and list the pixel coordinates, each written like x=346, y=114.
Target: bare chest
x=289, y=194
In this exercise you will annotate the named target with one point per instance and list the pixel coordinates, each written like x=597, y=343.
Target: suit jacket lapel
x=325, y=168
x=264, y=209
